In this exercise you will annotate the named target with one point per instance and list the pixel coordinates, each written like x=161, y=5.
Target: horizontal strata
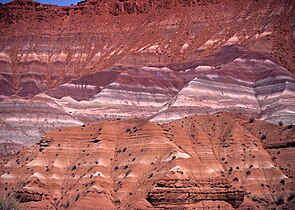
x=251, y=84
x=43, y=46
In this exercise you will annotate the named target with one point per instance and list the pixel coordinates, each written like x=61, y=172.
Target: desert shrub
x=251, y=119
x=151, y=175
x=280, y=201
x=291, y=197
x=77, y=197
x=263, y=137
x=9, y=203
x=66, y=205
x=280, y=123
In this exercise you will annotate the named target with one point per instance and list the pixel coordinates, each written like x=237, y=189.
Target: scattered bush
x=151, y=175
x=230, y=170
x=251, y=119
x=263, y=137
x=66, y=205
x=291, y=197
x=280, y=201
x=77, y=197
x=280, y=123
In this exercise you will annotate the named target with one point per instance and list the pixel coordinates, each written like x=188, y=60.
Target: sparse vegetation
x=263, y=137
x=10, y=203
x=251, y=119
x=66, y=205
x=279, y=201
x=151, y=175
x=77, y=197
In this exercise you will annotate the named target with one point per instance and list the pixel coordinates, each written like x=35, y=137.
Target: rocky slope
x=232, y=79
x=195, y=162
x=42, y=46
x=129, y=101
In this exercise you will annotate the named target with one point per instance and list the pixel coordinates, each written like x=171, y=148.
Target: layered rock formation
x=194, y=162
x=155, y=65
x=42, y=46
x=232, y=79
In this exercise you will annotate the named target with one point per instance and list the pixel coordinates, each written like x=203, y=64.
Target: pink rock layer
x=232, y=79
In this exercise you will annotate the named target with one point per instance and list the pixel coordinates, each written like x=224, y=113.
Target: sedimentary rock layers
x=42, y=46
x=232, y=79
x=202, y=160
x=25, y=121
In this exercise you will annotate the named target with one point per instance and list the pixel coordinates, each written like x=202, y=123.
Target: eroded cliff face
x=42, y=46
x=100, y=64
x=195, y=162
x=232, y=79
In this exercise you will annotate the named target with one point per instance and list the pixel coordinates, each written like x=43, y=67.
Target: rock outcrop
x=232, y=79
x=42, y=46
x=193, y=162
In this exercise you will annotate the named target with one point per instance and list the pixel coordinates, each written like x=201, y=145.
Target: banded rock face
x=43, y=46
x=232, y=79
x=198, y=161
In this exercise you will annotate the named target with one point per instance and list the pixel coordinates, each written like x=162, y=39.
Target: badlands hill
x=42, y=46
x=148, y=104
x=233, y=79
x=213, y=161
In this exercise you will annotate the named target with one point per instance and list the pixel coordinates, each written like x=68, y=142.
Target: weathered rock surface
x=194, y=162
x=42, y=46
x=232, y=79
x=155, y=60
